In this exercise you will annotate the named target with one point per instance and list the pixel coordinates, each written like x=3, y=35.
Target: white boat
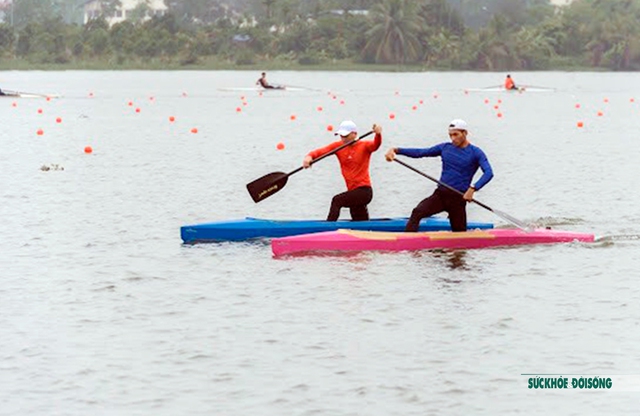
x=260, y=89
x=522, y=89
x=19, y=94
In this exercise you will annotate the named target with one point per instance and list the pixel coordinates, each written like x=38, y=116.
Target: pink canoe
x=350, y=240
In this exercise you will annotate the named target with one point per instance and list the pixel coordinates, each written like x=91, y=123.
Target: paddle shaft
x=337, y=149
x=501, y=214
x=301, y=87
x=331, y=153
x=537, y=86
x=437, y=181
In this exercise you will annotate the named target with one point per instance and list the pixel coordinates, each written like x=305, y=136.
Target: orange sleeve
x=324, y=150
x=375, y=144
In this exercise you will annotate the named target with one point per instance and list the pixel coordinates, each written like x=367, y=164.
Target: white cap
x=458, y=124
x=346, y=127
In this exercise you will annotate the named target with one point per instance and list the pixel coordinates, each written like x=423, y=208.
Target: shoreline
x=275, y=65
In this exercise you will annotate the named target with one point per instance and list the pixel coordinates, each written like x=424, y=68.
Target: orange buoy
x=172, y=119
x=319, y=108
x=341, y=102
x=280, y=146
x=415, y=107
x=600, y=113
x=58, y=120
x=499, y=115
x=40, y=132
x=39, y=110
x=293, y=117
x=329, y=127
x=580, y=124
x=130, y=103
x=88, y=149
x=392, y=116
x=486, y=101
x=138, y=110
x=577, y=105
x=194, y=130
x=421, y=101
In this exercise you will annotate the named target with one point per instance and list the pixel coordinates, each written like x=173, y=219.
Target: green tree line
x=431, y=34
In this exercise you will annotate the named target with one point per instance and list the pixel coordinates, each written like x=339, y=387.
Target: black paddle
x=500, y=214
x=267, y=185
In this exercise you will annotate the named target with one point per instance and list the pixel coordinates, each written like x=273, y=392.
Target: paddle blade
x=512, y=220
x=262, y=188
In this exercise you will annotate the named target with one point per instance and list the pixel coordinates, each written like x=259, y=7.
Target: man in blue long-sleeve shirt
x=460, y=161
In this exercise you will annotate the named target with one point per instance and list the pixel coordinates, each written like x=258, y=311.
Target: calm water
x=104, y=311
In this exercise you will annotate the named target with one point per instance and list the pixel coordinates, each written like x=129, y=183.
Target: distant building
x=93, y=10
x=5, y=10
x=340, y=12
x=560, y=3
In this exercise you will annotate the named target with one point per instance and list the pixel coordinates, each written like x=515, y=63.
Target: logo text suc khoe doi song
x=575, y=383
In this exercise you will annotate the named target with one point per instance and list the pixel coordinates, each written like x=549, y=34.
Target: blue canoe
x=252, y=228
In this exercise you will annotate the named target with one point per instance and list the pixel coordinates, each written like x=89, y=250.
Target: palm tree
x=393, y=37
x=268, y=4
x=491, y=47
x=533, y=48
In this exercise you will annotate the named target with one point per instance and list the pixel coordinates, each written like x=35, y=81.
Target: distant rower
x=509, y=84
x=262, y=81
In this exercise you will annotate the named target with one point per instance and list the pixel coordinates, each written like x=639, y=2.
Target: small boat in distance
x=260, y=89
x=22, y=94
x=499, y=88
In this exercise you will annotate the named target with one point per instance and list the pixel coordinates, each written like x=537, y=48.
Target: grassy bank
x=213, y=64
x=204, y=64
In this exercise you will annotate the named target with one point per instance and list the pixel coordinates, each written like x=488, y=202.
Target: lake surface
x=104, y=311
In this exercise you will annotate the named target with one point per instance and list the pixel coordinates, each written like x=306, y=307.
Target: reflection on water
x=456, y=260
x=452, y=259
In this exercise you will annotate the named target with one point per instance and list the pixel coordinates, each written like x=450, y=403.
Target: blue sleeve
x=415, y=153
x=487, y=172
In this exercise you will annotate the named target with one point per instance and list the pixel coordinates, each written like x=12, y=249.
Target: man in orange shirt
x=509, y=84
x=354, y=163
